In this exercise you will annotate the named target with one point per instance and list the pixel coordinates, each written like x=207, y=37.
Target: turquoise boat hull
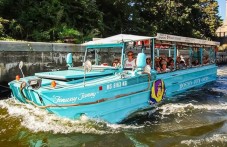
x=112, y=93
x=110, y=97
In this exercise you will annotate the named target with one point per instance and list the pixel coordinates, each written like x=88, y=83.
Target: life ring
x=104, y=64
x=157, y=91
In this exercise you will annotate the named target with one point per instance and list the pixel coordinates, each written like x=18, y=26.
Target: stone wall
x=37, y=57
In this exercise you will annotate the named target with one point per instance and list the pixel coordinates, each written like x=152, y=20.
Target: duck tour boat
x=103, y=88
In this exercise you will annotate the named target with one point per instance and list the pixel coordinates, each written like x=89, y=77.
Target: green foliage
x=55, y=20
x=2, y=28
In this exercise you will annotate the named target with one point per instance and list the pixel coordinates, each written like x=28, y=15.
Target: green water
x=197, y=118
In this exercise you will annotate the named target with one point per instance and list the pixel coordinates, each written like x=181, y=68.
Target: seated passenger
x=116, y=63
x=205, y=60
x=164, y=68
x=163, y=61
x=171, y=64
x=168, y=60
x=157, y=64
x=178, y=60
x=158, y=69
x=187, y=62
x=195, y=63
x=182, y=58
x=148, y=60
x=181, y=65
x=130, y=62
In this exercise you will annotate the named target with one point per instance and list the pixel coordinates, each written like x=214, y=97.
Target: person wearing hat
x=148, y=61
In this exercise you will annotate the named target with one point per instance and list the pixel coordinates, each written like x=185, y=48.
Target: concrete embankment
x=37, y=57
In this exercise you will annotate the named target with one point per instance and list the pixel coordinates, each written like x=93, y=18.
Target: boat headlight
x=35, y=83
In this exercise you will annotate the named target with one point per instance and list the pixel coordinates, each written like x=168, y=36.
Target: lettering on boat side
x=193, y=82
x=116, y=85
x=59, y=99
x=85, y=95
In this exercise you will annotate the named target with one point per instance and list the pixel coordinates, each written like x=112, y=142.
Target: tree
x=84, y=19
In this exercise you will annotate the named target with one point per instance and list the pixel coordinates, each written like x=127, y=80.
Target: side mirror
x=20, y=67
x=87, y=66
x=69, y=59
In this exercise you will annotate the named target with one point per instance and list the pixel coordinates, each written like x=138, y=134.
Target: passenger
x=157, y=64
x=148, y=61
x=163, y=57
x=195, y=63
x=205, y=60
x=163, y=61
x=178, y=62
x=181, y=65
x=158, y=69
x=130, y=62
x=182, y=58
x=116, y=63
x=187, y=62
x=171, y=64
x=168, y=59
x=164, y=68
x=160, y=61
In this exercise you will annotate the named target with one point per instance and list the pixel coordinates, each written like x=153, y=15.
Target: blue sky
x=221, y=4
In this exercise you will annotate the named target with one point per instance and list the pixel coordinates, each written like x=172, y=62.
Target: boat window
x=205, y=58
x=91, y=56
x=186, y=57
x=211, y=55
x=164, y=59
x=103, y=56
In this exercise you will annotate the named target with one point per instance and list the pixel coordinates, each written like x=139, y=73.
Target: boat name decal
x=116, y=85
x=193, y=82
x=59, y=99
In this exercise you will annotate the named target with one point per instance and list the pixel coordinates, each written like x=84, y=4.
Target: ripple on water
x=215, y=139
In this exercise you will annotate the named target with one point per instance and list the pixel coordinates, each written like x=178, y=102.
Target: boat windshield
x=104, y=56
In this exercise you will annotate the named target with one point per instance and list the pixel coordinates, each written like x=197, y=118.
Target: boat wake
x=215, y=139
x=222, y=71
x=39, y=120
x=168, y=109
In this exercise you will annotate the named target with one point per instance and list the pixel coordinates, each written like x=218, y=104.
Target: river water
x=195, y=118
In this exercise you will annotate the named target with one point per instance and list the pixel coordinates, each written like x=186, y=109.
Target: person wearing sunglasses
x=116, y=63
x=130, y=62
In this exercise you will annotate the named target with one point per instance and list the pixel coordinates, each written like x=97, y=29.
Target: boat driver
x=130, y=62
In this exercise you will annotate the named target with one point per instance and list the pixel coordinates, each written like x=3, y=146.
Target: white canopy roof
x=117, y=39
x=165, y=37
x=174, y=38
